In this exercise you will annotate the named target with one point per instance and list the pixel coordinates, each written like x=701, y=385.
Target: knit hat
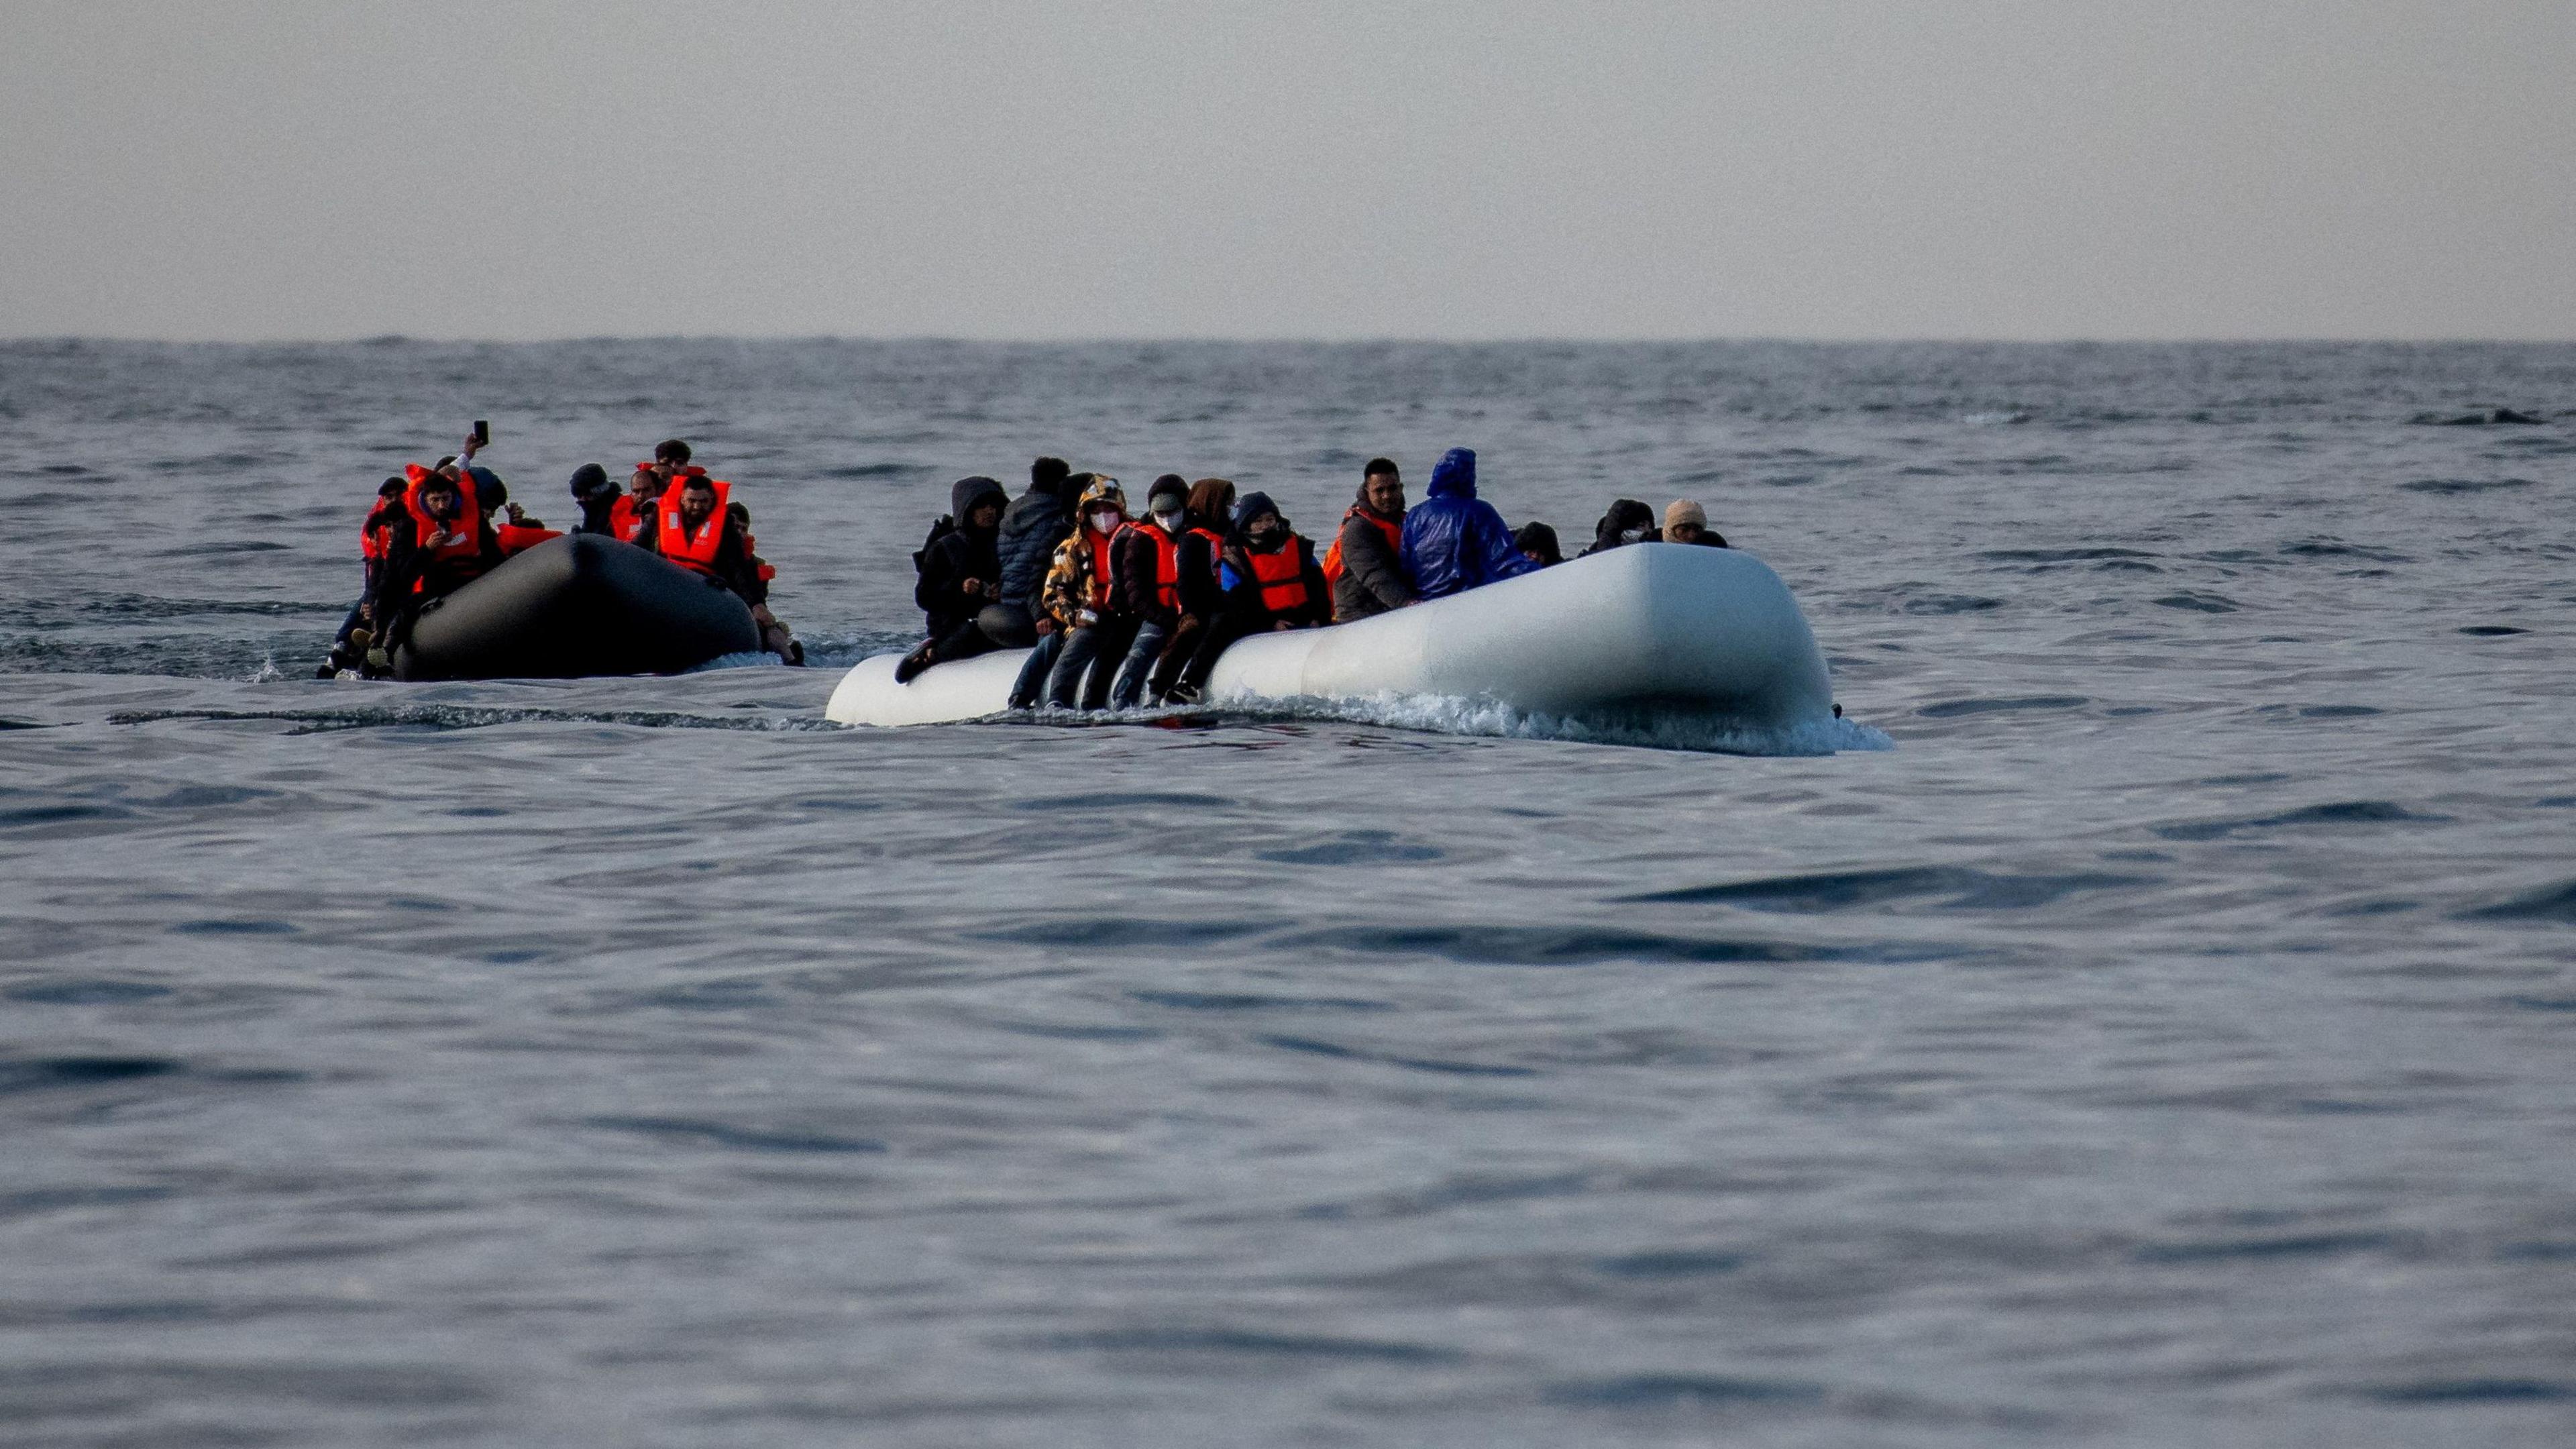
x=1251, y=506
x=588, y=481
x=1681, y=511
x=1172, y=487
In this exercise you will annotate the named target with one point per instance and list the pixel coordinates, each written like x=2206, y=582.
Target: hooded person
x=1033, y=524
x=1271, y=582
x=597, y=496
x=1080, y=597
x=958, y=575
x=1537, y=543
x=1687, y=522
x=1145, y=578
x=1204, y=524
x=1453, y=540
x=1365, y=565
x=1627, y=522
x=775, y=636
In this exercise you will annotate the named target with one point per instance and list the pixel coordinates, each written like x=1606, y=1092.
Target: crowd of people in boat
x=1120, y=608
x=436, y=528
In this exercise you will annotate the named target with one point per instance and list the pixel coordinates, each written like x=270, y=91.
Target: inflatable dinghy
x=1635, y=637
x=574, y=606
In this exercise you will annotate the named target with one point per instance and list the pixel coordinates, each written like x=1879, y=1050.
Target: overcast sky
x=1801, y=168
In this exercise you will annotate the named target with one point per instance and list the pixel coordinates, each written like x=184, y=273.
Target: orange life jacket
x=1167, y=563
x=376, y=536
x=458, y=542
x=759, y=565
x=1100, y=542
x=515, y=537
x=625, y=524
x=679, y=545
x=1282, y=575
x=1333, y=566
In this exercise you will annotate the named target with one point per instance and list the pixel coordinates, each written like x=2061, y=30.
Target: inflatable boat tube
x=1631, y=637
x=574, y=606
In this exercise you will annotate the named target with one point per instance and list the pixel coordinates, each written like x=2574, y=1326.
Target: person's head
x=1628, y=521
x=490, y=493
x=740, y=515
x=1169, y=502
x=590, y=483
x=1103, y=509
x=1212, y=503
x=1049, y=476
x=649, y=481
x=976, y=503
x=1454, y=476
x=1258, y=523
x=1382, y=488
x=438, y=496
x=697, y=499
x=1684, y=521
x=1537, y=543
x=671, y=454
x=391, y=488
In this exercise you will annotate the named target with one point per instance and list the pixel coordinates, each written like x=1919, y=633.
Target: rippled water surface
x=2166, y=1041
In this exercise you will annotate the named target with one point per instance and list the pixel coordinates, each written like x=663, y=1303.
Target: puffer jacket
x=1073, y=582
x=1453, y=540
x=1032, y=526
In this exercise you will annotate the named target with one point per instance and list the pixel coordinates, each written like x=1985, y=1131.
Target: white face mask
x=1631, y=535
x=1105, y=522
x=1171, y=521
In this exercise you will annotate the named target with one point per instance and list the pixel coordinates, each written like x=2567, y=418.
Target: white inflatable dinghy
x=1634, y=636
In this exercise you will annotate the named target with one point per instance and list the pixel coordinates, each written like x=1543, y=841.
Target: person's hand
x=1409, y=603
x=468, y=451
x=518, y=515
x=367, y=613
x=973, y=586
x=1045, y=627
x=1281, y=627
x=992, y=590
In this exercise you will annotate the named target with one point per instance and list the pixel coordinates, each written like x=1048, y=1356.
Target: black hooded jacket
x=1034, y=524
x=957, y=555
x=1624, y=514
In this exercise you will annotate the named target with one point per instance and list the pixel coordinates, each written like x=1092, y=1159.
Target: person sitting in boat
x=1455, y=541
x=510, y=523
x=1537, y=543
x=1271, y=582
x=1687, y=522
x=646, y=487
x=1032, y=526
x=375, y=540
x=958, y=573
x=1145, y=580
x=1201, y=598
x=1365, y=565
x=601, y=502
x=691, y=529
x=774, y=636
x=441, y=542
x=1627, y=522
x=1078, y=595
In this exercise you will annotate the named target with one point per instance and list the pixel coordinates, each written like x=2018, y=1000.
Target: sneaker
x=912, y=665
x=1183, y=694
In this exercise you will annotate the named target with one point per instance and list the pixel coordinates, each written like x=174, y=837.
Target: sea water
x=2166, y=1039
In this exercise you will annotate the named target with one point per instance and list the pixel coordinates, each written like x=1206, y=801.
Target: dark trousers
x=1182, y=643
x=1032, y=682
x=961, y=639
x=1095, y=650
x=1228, y=626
